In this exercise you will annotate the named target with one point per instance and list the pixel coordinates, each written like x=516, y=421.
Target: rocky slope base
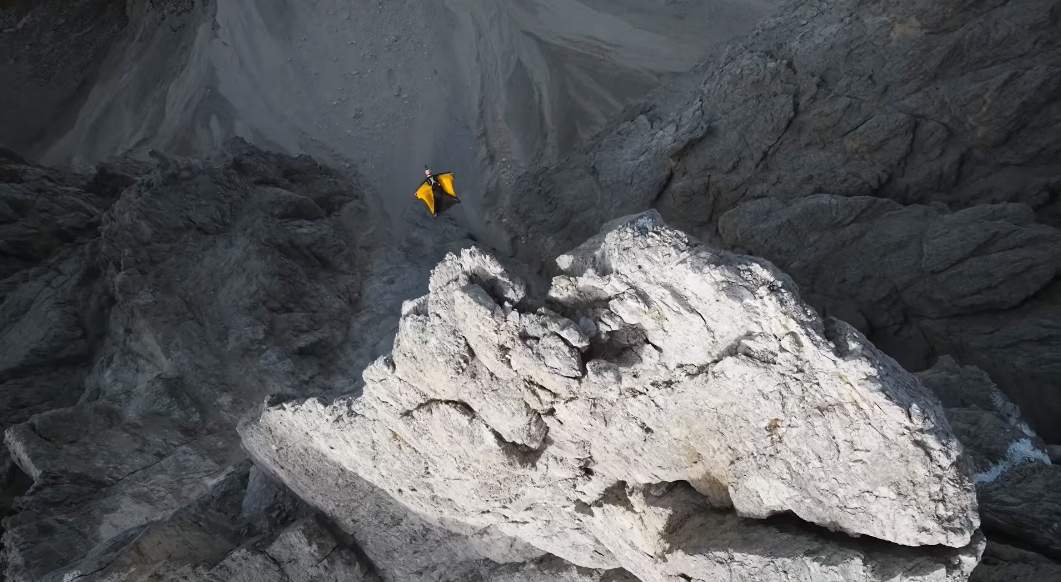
x=901, y=161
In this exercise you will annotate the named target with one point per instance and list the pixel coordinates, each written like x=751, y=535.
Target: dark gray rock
x=1003, y=563
x=916, y=102
x=220, y=281
x=1016, y=483
x=52, y=307
x=1023, y=505
x=1019, y=348
x=991, y=428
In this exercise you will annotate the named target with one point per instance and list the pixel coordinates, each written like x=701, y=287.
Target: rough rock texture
x=172, y=302
x=403, y=545
x=245, y=528
x=52, y=305
x=893, y=110
x=900, y=161
x=1023, y=504
x=665, y=389
x=961, y=107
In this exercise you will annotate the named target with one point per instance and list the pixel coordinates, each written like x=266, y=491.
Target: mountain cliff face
x=900, y=161
x=829, y=350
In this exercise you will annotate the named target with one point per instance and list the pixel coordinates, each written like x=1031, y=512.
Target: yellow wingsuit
x=434, y=186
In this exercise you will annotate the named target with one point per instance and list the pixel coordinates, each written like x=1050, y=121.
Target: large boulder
x=660, y=381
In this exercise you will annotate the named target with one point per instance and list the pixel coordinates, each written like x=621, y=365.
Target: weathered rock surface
x=404, y=544
x=1023, y=504
x=899, y=161
x=401, y=544
x=897, y=111
x=52, y=302
x=208, y=284
x=305, y=552
x=662, y=382
x=244, y=528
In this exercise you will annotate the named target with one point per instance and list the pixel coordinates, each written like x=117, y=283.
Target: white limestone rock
x=703, y=367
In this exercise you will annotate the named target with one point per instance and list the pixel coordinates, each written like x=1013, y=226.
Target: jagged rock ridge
x=663, y=390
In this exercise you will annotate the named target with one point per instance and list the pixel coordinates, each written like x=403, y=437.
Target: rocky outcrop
x=834, y=141
x=305, y=552
x=401, y=544
x=666, y=411
x=244, y=528
x=174, y=299
x=662, y=402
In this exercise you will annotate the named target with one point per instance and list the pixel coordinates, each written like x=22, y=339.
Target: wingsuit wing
x=424, y=193
x=446, y=180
